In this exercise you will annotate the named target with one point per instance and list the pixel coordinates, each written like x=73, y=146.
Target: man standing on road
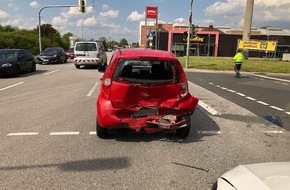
x=238, y=62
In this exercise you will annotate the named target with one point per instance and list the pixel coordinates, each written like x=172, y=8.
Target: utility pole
x=188, y=36
x=248, y=24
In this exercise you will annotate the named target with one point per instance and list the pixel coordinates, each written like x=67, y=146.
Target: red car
x=144, y=90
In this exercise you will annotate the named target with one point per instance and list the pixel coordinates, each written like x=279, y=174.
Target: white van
x=89, y=54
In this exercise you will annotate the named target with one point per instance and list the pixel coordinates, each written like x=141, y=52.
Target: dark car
x=70, y=53
x=16, y=61
x=144, y=90
x=52, y=55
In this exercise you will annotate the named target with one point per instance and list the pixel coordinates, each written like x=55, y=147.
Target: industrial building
x=210, y=40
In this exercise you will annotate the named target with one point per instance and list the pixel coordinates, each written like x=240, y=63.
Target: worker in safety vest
x=239, y=58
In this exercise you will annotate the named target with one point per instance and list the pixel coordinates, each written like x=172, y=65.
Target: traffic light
x=82, y=6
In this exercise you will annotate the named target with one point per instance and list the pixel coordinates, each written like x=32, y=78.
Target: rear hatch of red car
x=145, y=83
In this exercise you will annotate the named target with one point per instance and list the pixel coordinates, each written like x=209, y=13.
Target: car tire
x=33, y=67
x=17, y=71
x=59, y=60
x=78, y=66
x=101, y=131
x=184, y=131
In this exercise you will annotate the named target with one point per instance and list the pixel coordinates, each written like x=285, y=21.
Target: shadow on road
x=82, y=165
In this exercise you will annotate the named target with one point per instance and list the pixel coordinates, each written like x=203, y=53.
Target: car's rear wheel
x=184, y=131
x=78, y=66
x=33, y=67
x=17, y=71
x=59, y=60
x=101, y=131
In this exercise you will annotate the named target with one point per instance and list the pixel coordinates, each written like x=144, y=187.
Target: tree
x=65, y=40
x=7, y=28
x=104, y=41
x=123, y=42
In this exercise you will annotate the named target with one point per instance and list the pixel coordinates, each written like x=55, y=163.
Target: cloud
x=3, y=14
x=58, y=21
x=180, y=20
x=110, y=14
x=34, y=4
x=135, y=16
x=232, y=12
x=105, y=7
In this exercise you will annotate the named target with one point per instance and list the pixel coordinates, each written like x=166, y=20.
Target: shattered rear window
x=145, y=71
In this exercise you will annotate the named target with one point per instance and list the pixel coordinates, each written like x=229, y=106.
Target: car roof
x=144, y=53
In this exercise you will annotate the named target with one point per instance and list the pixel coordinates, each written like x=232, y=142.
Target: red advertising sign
x=151, y=12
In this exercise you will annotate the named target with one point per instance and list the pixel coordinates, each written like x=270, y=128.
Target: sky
x=117, y=19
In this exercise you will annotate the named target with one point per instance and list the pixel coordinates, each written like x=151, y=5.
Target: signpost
x=257, y=45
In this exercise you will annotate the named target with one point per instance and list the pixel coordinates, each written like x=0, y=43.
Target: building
x=210, y=41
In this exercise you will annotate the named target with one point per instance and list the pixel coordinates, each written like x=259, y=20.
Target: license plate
x=145, y=112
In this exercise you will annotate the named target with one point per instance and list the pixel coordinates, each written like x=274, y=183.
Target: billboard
x=257, y=45
x=151, y=12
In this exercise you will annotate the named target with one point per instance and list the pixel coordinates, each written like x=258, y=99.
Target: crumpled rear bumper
x=167, y=117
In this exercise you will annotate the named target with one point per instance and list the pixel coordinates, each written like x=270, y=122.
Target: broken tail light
x=184, y=89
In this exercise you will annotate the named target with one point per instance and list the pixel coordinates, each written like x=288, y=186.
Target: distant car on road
x=89, y=54
x=144, y=90
x=52, y=55
x=70, y=53
x=16, y=61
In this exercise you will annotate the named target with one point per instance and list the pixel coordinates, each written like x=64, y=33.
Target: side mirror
x=102, y=68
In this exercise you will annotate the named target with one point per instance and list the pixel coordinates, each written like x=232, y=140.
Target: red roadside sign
x=151, y=12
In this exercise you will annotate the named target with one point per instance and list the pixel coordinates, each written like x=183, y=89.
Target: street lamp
x=188, y=36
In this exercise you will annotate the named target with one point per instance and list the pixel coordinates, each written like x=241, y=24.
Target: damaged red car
x=144, y=90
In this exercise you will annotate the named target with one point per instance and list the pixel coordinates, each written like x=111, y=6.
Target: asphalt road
x=48, y=140
x=266, y=95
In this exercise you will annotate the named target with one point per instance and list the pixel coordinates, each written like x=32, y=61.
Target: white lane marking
x=250, y=98
x=241, y=94
x=23, y=134
x=262, y=76
x=93, y=89
x=11, y=86
x=208, y=108
x=51, y=72
x=274, y=107
x=275, y=132
x=231, y=90
x=210, y=132
x=264, y=103
x=224, y=88
x=211, y=83
x=288, y=113
x=92, y=132
x=65, y=133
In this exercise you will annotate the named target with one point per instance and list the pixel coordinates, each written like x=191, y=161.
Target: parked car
x=70, y=53
x=16, y=61
x=144, y=90
x=52, y=55
x=259, y=176
x=89, y=54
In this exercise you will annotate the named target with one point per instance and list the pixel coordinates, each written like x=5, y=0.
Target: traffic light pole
x=39, y=21
x=188, y=36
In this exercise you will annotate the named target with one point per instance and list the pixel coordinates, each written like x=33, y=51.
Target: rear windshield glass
x=145, y=71
x=86, y=47
x=11, y=54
